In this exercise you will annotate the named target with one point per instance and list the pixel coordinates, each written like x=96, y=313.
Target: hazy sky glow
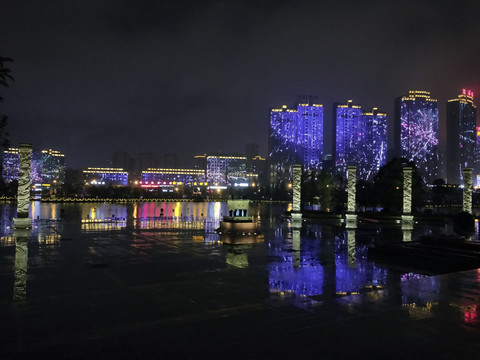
x=94, y=77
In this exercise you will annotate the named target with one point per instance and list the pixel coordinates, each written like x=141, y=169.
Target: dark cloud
x=93, y=77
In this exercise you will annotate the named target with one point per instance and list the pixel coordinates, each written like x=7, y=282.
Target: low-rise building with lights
x=155, y=178
x=105, y=176
x=225, y=170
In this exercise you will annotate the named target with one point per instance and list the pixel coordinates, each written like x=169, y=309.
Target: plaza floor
x=128, y=294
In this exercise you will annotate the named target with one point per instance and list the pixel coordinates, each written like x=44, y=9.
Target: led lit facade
x=374, y=143
x=47, y=167
x=296, y=137
x=348, y=136
x=461, y=136
x=105, y=176
x=417, y=131
x=53, y=167
x=171, y=177
x=11, y=161
x=226, y=170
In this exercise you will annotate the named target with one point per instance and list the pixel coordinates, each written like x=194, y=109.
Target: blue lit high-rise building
x=461, y=135
x=47, y=168
x=416, y=131
x=296, y=137
x=374, y=146
x=348, y=135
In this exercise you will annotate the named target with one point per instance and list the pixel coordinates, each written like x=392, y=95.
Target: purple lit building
x=348, y=136
x=461, y=135
x=416, y=131
x=105, y=176
x=154, y=176
x=47, y=168
x=296, y=137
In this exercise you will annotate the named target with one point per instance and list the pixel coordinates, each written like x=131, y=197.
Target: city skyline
x=94, y=78
x=360, y=137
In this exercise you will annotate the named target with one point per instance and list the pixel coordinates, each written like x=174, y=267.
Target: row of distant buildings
x=215, y=171
x=360, y=137
x=296, y=137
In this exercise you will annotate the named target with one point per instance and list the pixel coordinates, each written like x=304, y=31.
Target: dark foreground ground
x=81, y=296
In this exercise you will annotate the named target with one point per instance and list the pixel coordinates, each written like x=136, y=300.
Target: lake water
x=320, y=260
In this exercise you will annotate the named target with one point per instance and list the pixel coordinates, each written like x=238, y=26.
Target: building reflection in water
x=92, y=225
x=152, y=216
x=422, y=298
x=328, y=262
x=419, y=298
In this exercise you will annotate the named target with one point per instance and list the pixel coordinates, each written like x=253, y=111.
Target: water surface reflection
x=320, y=261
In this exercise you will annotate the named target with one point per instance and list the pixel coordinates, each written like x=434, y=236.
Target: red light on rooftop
x=467, y=92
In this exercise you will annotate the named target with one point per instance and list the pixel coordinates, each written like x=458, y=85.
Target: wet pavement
x=153, y=287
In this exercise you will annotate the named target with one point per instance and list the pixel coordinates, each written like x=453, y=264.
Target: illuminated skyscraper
x=461, y=135
x=296, y=137
x=53, y=167
x=416, y=131
x=47, y=169
x=374, y=143
x=348, y=135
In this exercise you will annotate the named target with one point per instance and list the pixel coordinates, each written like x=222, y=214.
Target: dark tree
x=5, y=77
x=319, y=188
x=388, y=186
x=366, y=196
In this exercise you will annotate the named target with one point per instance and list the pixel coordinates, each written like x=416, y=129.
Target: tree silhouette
x=388, y=186
x=5, y=77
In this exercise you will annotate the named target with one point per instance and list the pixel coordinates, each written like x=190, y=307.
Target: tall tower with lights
x=296, y=137
x=348, y=135
x=461, y=135
x=416, y=131
x=374, y=146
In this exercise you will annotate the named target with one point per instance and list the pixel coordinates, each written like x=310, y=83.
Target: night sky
x=190, y=77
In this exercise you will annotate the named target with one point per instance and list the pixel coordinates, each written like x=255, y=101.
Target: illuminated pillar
x=351, y=237
x=467, y=190
x=407, y=218
x=407, y=190
x=22, y=221
x=297, y=196
x=350, y=216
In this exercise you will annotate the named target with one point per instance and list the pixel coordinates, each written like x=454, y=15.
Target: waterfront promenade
x=73, y=292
